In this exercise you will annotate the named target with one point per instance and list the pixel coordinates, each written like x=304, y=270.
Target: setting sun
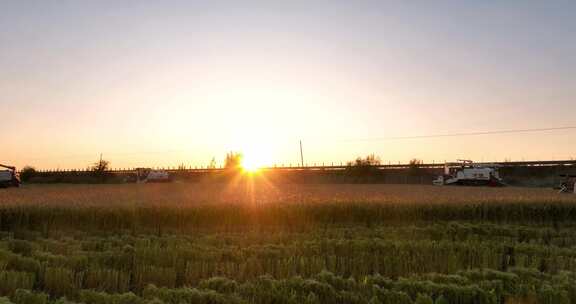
x=250, y=164
x=255, y=157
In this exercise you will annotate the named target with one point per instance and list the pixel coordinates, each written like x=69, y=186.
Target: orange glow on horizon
x=250, y=167
x=252, y=162
x=255, y=155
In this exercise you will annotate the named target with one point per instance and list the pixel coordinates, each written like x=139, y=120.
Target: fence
x=322, y=166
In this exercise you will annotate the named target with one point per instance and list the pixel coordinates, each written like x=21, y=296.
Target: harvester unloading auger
x=467, y=173
x=9, y=178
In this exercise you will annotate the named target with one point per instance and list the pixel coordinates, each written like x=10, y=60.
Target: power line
x=461, y=134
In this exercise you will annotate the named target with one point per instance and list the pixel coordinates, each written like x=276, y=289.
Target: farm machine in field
x=467, y=173
x=9, y=178
x=568, y=184
x=148, y=175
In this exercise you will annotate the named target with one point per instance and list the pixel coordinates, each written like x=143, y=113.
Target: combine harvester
x=568, y=184
x=9, y=178
x=467, y=173
x=147, y=175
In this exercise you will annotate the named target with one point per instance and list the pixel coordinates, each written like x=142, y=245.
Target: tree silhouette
x=368, y=161
x=212, y=164
x=415, y=163
x=100, y=167
x=233, y=160
x=27, y=173
x=366, y=166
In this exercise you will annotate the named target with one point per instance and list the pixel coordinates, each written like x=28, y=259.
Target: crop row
x=471, y=286
x=119, y=264
x=295, y=216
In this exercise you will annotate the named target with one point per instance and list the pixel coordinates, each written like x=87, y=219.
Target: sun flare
x=255, y=157
x=250, y=164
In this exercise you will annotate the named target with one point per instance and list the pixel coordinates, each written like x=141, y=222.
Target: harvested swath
x=463, y=262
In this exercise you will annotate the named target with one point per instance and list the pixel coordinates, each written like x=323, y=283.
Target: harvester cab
x=465, y=172
x=568, y=184
x=9, y=177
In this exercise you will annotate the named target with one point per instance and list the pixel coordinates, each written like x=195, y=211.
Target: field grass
x=254, y=242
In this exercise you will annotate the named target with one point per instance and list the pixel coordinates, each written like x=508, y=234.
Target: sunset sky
x=157, y=83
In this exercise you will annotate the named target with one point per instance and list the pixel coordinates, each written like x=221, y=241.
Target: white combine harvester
x=147, y=175
x=9, y=178
x=568, y=184
x=467, y=173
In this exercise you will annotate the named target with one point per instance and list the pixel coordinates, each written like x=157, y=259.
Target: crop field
x=255, y=242
x=259, y=191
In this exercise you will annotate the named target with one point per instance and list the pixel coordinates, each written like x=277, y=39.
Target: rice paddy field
x=255, y=242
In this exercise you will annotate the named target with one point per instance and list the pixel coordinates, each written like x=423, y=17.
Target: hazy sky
x=169, y=82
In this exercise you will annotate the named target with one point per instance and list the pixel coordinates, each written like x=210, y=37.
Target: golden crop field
x=189, y=194
x=255, y=242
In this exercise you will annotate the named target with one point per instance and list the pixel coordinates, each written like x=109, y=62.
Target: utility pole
x=301, y=155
